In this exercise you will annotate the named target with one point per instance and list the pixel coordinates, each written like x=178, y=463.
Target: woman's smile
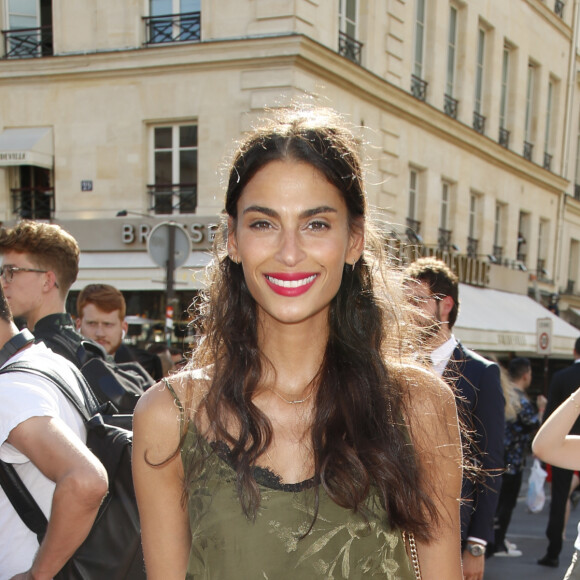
x=290, y=283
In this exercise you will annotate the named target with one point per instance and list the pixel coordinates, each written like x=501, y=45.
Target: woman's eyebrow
x=305, y=214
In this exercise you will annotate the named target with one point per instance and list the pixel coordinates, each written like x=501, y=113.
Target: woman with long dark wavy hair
x=302, y=441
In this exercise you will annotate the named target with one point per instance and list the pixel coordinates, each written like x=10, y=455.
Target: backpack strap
x=54, y=377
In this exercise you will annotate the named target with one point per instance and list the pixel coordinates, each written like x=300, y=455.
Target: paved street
x=528, y=532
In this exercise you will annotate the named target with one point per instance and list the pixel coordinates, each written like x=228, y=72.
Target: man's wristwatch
x=475, y=549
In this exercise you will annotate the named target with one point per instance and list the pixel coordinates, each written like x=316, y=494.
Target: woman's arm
x=552, y=443
x=158, y=475
x=435, y=432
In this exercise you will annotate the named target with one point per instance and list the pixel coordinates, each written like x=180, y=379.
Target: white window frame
x=175, y=157
x=505, y=74
x=445, y=205
x=9, y=13
x=419, y=44
x=480, y=70
x=347, y=25
x=176, y=7
x=451, y=50
x=472, y=224
x=531, y=80
x=413, y=194
x=497, y=225
x=549, y=111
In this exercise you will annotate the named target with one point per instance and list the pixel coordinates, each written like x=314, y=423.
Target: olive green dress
x=226, y=545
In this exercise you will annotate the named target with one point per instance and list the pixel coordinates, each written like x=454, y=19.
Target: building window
x=528, y=125
x=348, y=45
x=413, y=224
x=573, y=261
x=418, y=84
x=450, y=102
x=577, y=172
x=444, y=239
x=478, y=118
x=523, y=235
x=29, y=30
x=548, y=134
x=504, y=134
x=34, y=197
x=472, y=239
x=174, y=168
x=543, y=240
x=173, y=21
x=498, y=233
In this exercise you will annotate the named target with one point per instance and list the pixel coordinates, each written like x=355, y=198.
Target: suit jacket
x=562, y=385
x=481, y=406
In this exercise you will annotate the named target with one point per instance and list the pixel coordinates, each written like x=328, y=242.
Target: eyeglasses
x=7, y=272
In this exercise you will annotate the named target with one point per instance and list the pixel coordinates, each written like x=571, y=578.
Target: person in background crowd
x=312, y=444
x=433, y=289
x=519, y=430
x=562, y=385
x=556, y=444
x=161, y=350
x=42, y=436
x=101, y=311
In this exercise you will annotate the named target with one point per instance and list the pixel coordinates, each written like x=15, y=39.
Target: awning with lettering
x=495, y=321
x=27, y=146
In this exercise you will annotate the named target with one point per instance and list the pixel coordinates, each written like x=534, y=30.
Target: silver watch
x=476, y=549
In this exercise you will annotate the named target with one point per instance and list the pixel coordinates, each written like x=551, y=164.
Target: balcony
x=413, y=231
x=478, y=122
x=173, y=198
x=444, y=240
x=547, y=161
x=504, y=137
x=559, y=8
x=418, y=88
x=541, y=271
x=28, y=42
x=472, y=246
x=497, y=253
x=33, y=203
x=349, y=47
x=570, y=287
x=528, y=148
x=450, y=106
x=184, y=27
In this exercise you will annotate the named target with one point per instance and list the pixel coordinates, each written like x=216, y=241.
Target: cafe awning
x=499, y=322
x=27, y=146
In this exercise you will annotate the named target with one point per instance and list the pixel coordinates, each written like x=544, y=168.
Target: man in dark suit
x=434, y=289
x=562, y=385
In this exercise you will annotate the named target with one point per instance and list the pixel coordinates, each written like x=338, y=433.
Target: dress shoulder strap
x=178, y=403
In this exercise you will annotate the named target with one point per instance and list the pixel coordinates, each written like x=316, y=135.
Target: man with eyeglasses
x=40, y=264
x=433, y=289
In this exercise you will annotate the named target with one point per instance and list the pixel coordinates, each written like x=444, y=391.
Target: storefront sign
x=137, y=234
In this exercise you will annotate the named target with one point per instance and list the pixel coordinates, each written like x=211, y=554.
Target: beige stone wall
x=105, y=91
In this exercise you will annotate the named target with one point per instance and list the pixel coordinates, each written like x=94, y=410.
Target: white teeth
x=291, y=283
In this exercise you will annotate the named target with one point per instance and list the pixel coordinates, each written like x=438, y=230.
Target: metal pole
x=169, y=277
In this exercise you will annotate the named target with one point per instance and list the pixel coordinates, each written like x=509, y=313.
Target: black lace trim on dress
x=263, y=475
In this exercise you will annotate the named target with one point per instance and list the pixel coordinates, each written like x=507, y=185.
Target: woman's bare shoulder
x=164, y=402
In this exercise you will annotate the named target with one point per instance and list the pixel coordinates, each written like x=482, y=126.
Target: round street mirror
x=158, y=244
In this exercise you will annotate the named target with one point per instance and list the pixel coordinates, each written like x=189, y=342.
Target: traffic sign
x=544, y=335
x=158, y=244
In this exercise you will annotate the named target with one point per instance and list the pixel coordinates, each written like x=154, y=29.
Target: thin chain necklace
x=296, y=402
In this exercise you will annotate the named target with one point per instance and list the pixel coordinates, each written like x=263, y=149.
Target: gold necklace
x=296, y=402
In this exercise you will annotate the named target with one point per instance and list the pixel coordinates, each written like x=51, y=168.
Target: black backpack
x=112, y=550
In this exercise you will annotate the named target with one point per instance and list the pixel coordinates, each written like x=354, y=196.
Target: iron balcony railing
x=349, y=47
x=521, y=257
x=478, y=122
x=185, y=27
x=413, y=231
x=28, y=42
x=34, y=203
x=418, y=88
x=528, y=148
x=444, y=239
x=504, y=137
x=559, y=8
x=450, y=106
x=547, y=161
x=173, y=198
x=570, y=287
x=498, y=253
x=472, y=246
